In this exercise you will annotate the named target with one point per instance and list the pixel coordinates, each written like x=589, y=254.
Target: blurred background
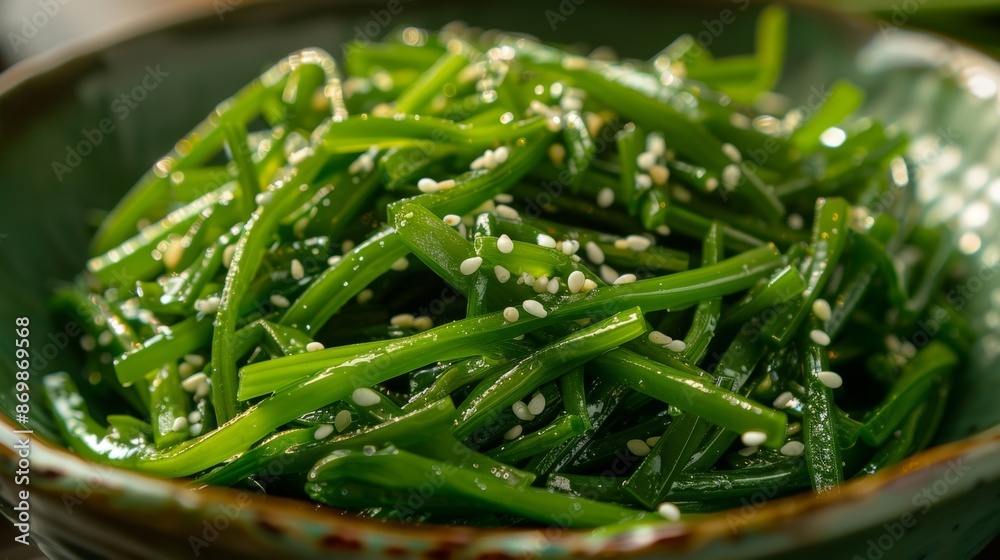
x=46, y=27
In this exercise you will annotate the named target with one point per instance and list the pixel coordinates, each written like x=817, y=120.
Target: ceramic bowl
x=942, y=503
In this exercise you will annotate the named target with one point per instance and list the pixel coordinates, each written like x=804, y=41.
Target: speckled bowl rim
x=61, y=469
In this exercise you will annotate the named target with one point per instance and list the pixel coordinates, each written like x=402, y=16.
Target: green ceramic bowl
x=57, y=167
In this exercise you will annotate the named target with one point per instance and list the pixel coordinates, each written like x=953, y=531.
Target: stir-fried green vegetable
x=555, y=289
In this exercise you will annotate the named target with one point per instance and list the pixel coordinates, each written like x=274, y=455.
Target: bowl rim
x=676, y=537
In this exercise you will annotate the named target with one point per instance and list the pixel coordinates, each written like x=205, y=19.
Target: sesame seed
x=594, y=253
x=227, y=255
x=655, y=144
x=575, y=281
x=677, y=346
x=263, y=198
x=428, y=185
x=794, y=428
x=521, y=411
x=208, y=305
x=180, y=424
x=511, y=314
x=87, y=342
x=401, y=264
x=194, y=417
x=541, y=284
x=500, y=154
x=314, y=347
x=656, y=337
x=669, y=511
x=504, y=198
x=196, y=360
x=191, y=383
x=423, y=323
x=588, y=285
x=342, y=420
x=625, y=279
x=783, y=400
x=554, y=124
x=323, y=431
x=402, y=321
x=637, y=447
x=638, y=242
x=365, y=397
x=663, y=230
x=819, y=337
x=526, y=279
x=711, y=184
x=280, y=301
x=537, y=404
x=346, y=245
x=570, y=246
x=605, y=197
x=545, y=240
x=471, y=265
x=502, y=274
x=105, y=338
x=446, y=184
x=621, y=244
x=534, y=308
x=334, y=260
x=830, y=379
x=732, y=152
x=504, y=244
x=185, y=370
x=792, y=449
x=452, y=220
x=557, y=153
x=196, y=429
x=643, y=181
x=553, y=286
x=364, y=296
x=659, y=174
x=748, y=451
x=489, y=159
x=681, y=194
x=172, y=256
x=731, y=176
x=821, y=308
x=505, y=211
x=753, y=438
x=513, y=433
x=796, y=222
x=575, y=62
x=608, y=274
x=645, y=160
x=652, y=441
x=204, y=388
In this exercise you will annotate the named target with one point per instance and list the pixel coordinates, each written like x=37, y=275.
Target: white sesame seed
x=204, y=388
x=180, y=424
x=594, y=253
x=625, y=279
x=669, y=511
x=570, y=246
x=196, y=360
x=638, y=242
x=314, y=347
x=297, y=271
x=402, y=320
x=545, y=240
x=652, y=441
x=677, y=346
x=190, y=384
x=541, y=284
x=428, y=185
x=526, y=279
x=655, y=144
x=513, y=433
x=334, y=260
x=753, y=438
x=452, y=220
x=194, y=417
x=830, y=379
x=173, y=255
x=656, y=337
x=553, y=286
x=364, y=296
x=505, y=244
x=87, y=342
x=557, y=153
x=792, y=449
x=605, y=197
x=502, y=274
x=796, y=222
x=196, y=429
x=423, y=323
x=446, y=184
x=747, y=451
x=621, y=244
x=105, y=338
x=500, y=154
x=575, y=281
x=185, y=370
x=263, y=198
x=711, y=184
x=364, y=396
x=645, y=160
x=732, y=152
x=505, y=211
x=489, y=159
x=280, y=301
x=537, y=404
x=323, y=431
x=503, y=198
x=227, y=255
x=575, y=62
x=534, y=308
x=471, y=265
x=681, y=194
x=659, y=174
x=521, y=411
x=608, y=274
x=342, y=420
x=819, y=337
x=208, y=305
x=637, y=447
x=663, y=230
x=794, y=428
x=783, y=400
x=643, y=181
x=588, y=285
x=401, y=264
x=299, y=228
x=821, y=308
x=511, y=315
x=731, y=176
